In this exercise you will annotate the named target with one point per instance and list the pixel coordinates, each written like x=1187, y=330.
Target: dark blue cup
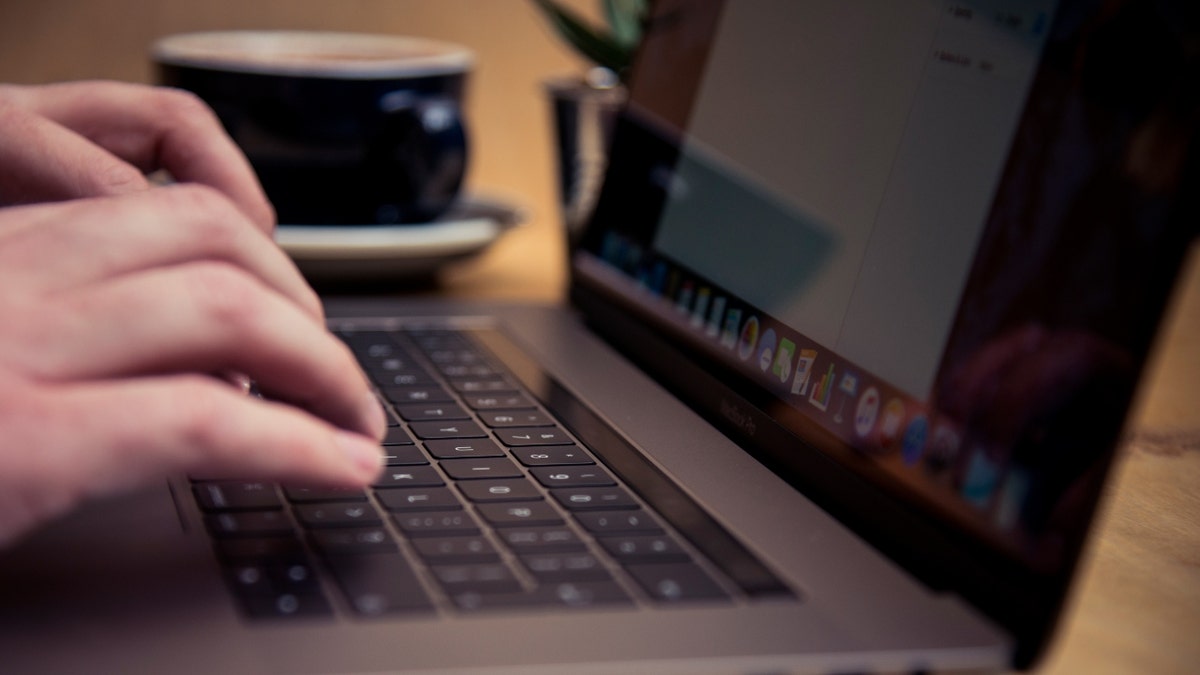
x=342, y=128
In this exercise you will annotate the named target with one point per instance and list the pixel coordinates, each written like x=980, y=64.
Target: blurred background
x=508, y=111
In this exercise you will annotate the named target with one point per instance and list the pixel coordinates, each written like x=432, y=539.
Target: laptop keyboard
x=487, y=502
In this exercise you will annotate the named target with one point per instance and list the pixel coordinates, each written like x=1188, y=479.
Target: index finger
x=156, y=128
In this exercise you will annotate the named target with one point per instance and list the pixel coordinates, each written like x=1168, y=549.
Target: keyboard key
x=285, y=605
x=550, y=567
x=357, y=540
x=618, y=522
x=572, y=476
x=403, y=455
x=337, y=514
x=260, y=549
x=554, y=455
x=587, y=594
x=393, y=420
x=466, y=370
x=481, y=468
x=462, y=429
x=408, y=476
x=458, y=353
x=541, y=539
x=483, y=386
x=567, y=595
x=249, y=523
x=397, y=377
x=436, y=523
x=515, y=418
x=432, y=411
x=643, y=549
x=524, y=436
x=477, y=578
x=314, y=494
x=379, y=584
x=371, y=346
x=416, y=394
x=418, y=499
x=519, y=514
x=451, y=550
x=234, y=495
x=507, y=401
x=396, y=436
x=676, y=583
x=472, y=601
x=466, y=447
x=594, y=498
x=255, y=578
x=499, y=490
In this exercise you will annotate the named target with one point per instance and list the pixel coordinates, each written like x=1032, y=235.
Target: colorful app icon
x=943, y=448
x=782, y=366
x=613, y=248
x=822, y=391
x=714, y=317
x=891, y=424
x=700, y=311
x=686, y=294
x=673, y=281
x=658, y=278
x=981, y=479
x=804, y=368
x=1013, y=493
x=867, y=412
x=633, y=256
x=749, y=339
x=766, y=349
x=912, y=443
x=848, y=388
x=729, y=334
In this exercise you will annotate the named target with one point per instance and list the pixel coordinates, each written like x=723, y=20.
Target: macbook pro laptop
x=853, y=331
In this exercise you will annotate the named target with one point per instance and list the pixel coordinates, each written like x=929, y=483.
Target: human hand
x=91, y=139
x=117, y=309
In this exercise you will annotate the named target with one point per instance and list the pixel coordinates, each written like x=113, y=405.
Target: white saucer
x=364, y=252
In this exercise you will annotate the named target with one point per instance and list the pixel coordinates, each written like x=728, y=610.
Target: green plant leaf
x=595, y=46
x=625, y=21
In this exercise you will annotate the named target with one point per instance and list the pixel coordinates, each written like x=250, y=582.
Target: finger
x=45, y=161
x=60, y=246
x=131, y=432
x=206, y=318
x=157, y=128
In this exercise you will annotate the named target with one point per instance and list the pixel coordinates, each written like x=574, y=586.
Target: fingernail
x=363, y=452
x=371, y=412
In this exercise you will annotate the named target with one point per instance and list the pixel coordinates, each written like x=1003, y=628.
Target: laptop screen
x=931, y=239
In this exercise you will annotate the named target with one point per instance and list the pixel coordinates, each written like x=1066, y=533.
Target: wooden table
x=1137, y=606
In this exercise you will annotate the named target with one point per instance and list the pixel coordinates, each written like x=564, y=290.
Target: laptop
x=853, y=330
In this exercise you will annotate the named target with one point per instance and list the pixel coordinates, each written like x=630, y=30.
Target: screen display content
x=896, y=223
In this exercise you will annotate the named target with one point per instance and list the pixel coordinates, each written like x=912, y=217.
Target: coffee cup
x=341, y=128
